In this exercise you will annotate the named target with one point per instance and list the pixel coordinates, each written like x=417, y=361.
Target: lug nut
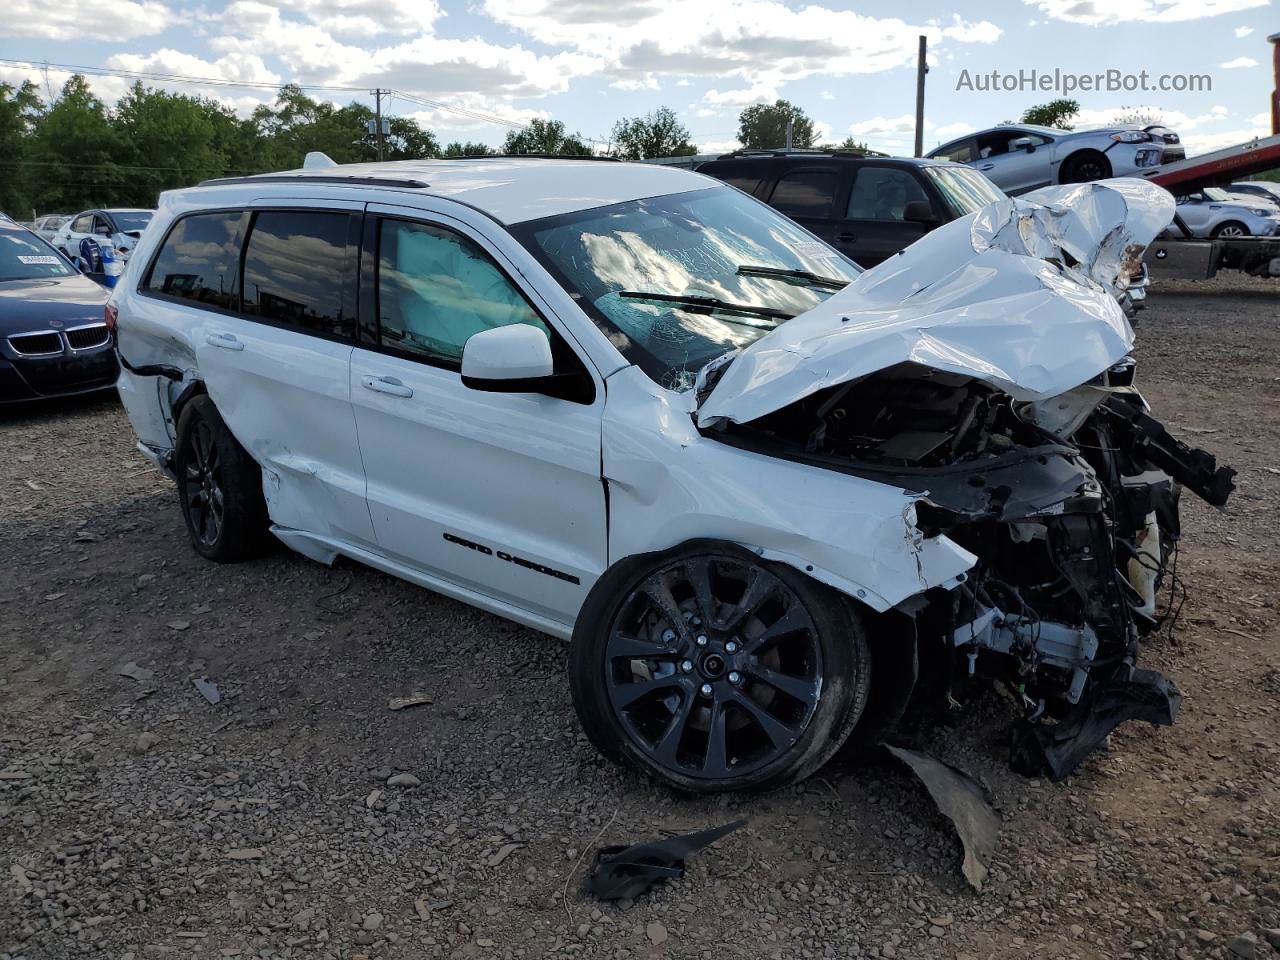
x=730, y=647
x=705, y=689
x=701, y=641
x=686, y=665
x=668, y=635
x=735, y=676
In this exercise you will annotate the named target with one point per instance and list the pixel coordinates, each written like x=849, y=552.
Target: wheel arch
x=1071, y=159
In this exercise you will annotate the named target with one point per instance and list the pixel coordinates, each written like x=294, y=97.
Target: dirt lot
x=137, y=819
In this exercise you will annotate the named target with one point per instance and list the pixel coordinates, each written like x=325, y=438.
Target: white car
x=1213, y=212
x=46, y=227
x=762, y=492
x=120, y=228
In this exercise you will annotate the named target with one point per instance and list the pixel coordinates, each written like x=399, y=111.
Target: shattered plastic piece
x=208, y=689
x=1055, y=750
x=412, y=700
x=135, y=672
x=623, y=873
x=961, y=800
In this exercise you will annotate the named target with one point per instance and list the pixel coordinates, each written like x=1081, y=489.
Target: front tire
x=714, y=670
x=1085, y=167
x=219, y=487
x=1232, y=228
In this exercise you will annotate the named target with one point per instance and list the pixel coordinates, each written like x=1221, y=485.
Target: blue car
x=54, y=340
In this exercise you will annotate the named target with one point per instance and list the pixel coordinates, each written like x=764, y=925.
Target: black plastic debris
x=1055, y=750
x=623, y=873
x=962, y=801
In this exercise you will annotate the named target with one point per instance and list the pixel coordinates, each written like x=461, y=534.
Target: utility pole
x=378, y=120
x=1275, y=94
x=791, y=128
x=922, y=67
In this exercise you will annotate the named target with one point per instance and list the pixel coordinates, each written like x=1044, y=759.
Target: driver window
x=436, y=288
x=882, y=193
x=82, y=224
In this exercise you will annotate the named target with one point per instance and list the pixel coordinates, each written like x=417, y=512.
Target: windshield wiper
x=781, y=273
x=709, y=304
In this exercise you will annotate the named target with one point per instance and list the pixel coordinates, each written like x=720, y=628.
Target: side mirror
x=1023, y=143
x=515, y=358
x=919, y=211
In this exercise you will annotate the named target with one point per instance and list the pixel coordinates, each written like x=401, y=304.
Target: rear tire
x=714, y=670
x=1085, y=167
x=219, y=487
x=1232, y=228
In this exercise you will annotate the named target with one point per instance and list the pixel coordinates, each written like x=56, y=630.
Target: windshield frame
x=526, y=234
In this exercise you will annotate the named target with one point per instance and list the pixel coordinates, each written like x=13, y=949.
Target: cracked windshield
x=676, y=281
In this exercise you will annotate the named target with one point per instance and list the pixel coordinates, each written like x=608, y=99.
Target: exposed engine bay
x=1070, y=507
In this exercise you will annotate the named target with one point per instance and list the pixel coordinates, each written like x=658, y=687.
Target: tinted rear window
x=806, y=193
x=295, y=271
x=200, y=260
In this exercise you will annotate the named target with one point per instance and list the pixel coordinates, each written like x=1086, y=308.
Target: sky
x=850, y=66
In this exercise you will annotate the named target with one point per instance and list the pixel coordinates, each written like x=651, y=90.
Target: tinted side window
x=961, y=152
x=296, y=271
x=436, y=288
x=882, y=193
x=805, y=193
x=200, y=260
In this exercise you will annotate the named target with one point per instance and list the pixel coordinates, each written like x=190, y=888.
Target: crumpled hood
x=1020, y=294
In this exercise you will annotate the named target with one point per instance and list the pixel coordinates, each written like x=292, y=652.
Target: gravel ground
x=139, y=820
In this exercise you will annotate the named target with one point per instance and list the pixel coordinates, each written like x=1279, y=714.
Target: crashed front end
x=990, y=373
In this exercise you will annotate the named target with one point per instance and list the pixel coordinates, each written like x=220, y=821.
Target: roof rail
x=532, y=156
x=800, y=152
x=316, y=178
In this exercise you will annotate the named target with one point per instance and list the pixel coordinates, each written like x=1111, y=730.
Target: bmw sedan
x=53, y=339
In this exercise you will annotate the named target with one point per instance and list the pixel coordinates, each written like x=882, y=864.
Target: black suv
x=869, y=207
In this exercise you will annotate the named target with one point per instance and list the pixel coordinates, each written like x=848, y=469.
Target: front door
x=807, y=194
x=497, y=493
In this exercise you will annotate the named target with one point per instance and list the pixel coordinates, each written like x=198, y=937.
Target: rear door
x=497, y=493
x=278, y=368
x=874, y=215
x=807, y=192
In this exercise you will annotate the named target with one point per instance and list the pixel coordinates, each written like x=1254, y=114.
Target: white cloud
x=826, y=95
x=106, y=89
x=113, y=21
x=758, y=42
x=761, y=93
x=1239, y=62
x=1242, y=32
x=366, y=17
x=1132, y=11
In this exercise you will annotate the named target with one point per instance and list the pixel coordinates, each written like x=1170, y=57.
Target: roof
x=511, y=190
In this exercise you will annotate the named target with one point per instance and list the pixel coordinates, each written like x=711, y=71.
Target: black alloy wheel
x=719, y=671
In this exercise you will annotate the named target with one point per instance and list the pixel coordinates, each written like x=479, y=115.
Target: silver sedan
x=1023, y=157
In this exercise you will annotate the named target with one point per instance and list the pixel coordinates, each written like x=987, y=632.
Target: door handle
x=227, y=341
x=389, y=385
x=987, y=166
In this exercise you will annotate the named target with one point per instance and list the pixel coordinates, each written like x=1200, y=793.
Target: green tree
x=763, y=126
x=1142, y=117
x=850, y=145
x=19, y=110
x=78, y=152
x=1056, y=113
x=467, y=149
x=166, y=140
x=545, y=136
x=656, y=134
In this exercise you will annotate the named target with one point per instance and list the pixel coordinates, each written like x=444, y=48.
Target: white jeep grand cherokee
x=573, y=393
